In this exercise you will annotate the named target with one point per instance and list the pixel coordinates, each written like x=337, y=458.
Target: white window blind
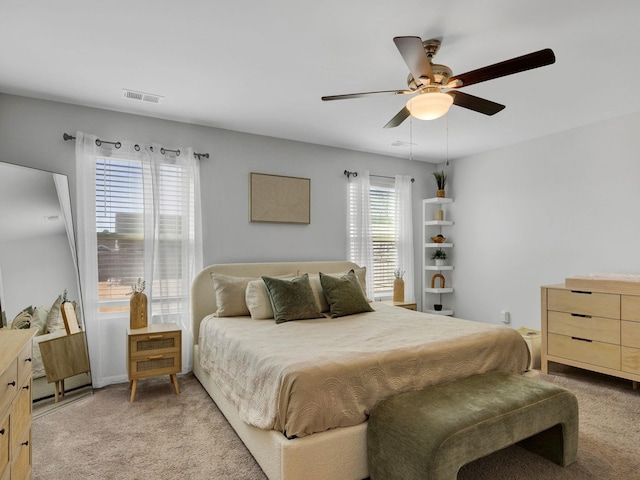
x=382, y=197
x=120, y=226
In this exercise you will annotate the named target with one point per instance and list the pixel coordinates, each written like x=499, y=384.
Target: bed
x=278, y=393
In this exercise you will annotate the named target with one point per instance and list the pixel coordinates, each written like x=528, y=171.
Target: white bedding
x=308, y=376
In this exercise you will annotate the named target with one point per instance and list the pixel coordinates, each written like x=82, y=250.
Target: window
x=121, y=223
x=382, y=197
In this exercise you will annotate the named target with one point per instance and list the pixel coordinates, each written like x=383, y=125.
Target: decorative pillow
x=55, y=322
x=24, y=319
x=318, y=293
x=39, y=319
x=291, y=299
x=344, y=295
x=230, y=292
x=258, y=301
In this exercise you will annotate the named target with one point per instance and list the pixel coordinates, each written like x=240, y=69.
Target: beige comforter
x=312, y=375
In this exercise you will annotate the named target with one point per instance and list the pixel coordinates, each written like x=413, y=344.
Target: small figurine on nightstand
x=398, y=286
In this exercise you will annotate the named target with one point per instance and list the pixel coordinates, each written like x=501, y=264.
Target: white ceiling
x=261, y=66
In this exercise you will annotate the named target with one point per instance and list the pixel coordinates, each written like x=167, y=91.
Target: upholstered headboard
x=203, y=298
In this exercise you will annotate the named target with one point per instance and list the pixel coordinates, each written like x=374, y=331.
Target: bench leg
x=558, y=444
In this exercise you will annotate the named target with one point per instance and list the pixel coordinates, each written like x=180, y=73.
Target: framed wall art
x=279, y=199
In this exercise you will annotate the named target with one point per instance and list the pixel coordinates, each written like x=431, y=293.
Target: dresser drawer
x=630, y=307
x=8, y=384
x=631, y=360
x=4, y=443
x=162, y=342
x=21, y=416
x=25, y=361
x=594, y=304
x=155, y=365
x=591, y=352
x=591, y=328
x=630, y=334
x=21, y=469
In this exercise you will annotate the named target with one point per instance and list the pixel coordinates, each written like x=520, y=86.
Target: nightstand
x=407, y=305
x=153, y=351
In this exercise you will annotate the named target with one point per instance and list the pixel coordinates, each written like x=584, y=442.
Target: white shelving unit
x=431, y=228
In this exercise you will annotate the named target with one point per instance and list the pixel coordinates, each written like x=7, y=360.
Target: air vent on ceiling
x=141, y=96
x=400, y=143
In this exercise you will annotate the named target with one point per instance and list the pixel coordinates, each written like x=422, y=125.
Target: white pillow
x=257, y=299
x=55, y=322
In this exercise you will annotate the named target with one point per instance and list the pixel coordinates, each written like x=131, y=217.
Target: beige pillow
x=39, y=319
x=318, y=293
x=258, y=301
x=55, y=322
x=230, y=295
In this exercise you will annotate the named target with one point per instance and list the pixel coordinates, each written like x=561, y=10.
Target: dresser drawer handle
x=581, y=292
x=25, y=444
x=2, y=432
x=153, y=337
x=580, y=315
x=11, y=384
x=26, y=387
x=27, y=359
x=581, y=339
x=156, y=357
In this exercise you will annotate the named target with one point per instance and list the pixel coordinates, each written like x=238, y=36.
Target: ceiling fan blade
x=413, y=53
x=365, y=94
x=400, y=117
x=501, y=69
x=474, y=103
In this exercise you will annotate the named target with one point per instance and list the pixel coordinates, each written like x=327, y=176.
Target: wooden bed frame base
x=339, y=454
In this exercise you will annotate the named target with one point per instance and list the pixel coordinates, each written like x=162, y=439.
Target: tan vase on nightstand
x=138, y=310
x=398, y=290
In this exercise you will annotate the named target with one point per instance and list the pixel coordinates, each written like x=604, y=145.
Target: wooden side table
x=153, y=351
x=407, y=305
x=64, y=357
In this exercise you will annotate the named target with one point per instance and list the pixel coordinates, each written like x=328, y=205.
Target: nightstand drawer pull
x=581, y=315
x=11, y=384
x=156, y=357
x=2, y=432
x=152, y=337
x=27, y=359
x=581, y=339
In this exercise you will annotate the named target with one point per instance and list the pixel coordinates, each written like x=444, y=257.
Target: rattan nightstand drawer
x=155, y=365
x=161, y=342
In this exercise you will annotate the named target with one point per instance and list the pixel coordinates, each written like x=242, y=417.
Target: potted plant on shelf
x=439, y=256
x=441, y=181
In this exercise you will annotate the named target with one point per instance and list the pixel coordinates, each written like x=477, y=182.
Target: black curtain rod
x=163, y=150
x=355, y=174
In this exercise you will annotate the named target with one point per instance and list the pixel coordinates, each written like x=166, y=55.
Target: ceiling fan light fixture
x=429, y=106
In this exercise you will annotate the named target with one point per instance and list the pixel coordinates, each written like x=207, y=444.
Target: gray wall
x=535, y=213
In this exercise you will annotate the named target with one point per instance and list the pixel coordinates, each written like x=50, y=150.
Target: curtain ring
x=162, y=150
x=177, y=153
x=98, y=142
x=118, y=144
x=136, y=147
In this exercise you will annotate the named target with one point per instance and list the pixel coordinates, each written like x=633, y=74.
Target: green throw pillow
x=344, y=295
x=291, y=299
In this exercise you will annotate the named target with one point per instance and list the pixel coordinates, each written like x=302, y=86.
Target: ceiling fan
x=428, y=80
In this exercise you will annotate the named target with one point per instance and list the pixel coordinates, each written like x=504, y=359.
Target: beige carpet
x=168, y=436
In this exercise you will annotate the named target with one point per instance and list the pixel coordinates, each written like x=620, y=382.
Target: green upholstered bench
x=432, y=433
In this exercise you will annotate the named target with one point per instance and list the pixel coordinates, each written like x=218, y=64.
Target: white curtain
x=404, y=234
x=106, y=331
x=360, y=242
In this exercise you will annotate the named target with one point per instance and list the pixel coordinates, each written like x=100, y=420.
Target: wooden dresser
x=15, y=403
x=591, y=329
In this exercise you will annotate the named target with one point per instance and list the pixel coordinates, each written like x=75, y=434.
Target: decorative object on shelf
x=398, y=286
x=439, y=256
x=441, y=181
x=438, y=239
x=439, y=214
x=436, y=276
x=437, y=307
x=138, y=305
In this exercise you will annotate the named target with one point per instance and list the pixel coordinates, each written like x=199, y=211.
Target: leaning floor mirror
x=39, y=285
